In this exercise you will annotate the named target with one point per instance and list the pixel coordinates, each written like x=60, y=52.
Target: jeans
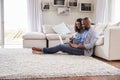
x=64, y=48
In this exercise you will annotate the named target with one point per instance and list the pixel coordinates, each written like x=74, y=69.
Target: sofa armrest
x=111, y=42
x=43, y=28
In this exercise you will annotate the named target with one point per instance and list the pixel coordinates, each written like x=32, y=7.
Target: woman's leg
x=36, y=49
x=52, y=50
x=64, y=48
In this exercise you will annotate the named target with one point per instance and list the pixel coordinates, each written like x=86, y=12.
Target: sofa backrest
x=100, y=28
x=71, y=28
x=47, y=29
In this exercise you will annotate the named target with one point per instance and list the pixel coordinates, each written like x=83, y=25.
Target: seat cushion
x=34, y=36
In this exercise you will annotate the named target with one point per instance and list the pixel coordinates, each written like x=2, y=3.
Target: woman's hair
x=81, y=28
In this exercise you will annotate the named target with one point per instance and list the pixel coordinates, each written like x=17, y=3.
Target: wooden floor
x=114, y=63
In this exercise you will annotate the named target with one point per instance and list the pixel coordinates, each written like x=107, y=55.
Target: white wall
x=51, y=16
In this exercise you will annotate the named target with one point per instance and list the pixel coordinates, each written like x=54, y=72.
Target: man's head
x=86, y=22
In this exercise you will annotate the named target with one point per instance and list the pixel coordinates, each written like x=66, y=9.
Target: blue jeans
x=64, y=48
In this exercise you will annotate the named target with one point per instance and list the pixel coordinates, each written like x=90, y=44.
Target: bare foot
x=36, y=49
x=36, y=52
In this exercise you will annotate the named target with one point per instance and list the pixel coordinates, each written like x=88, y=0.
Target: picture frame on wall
x=86, y=7
x=72, y=3
x=59, y=2
x=45, y=6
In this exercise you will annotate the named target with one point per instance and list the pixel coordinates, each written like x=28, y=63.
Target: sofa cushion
x=100, y=28
x=61, y=29
x=71, y=28
x=56, y=36
x=34, y=36
x=100, y=41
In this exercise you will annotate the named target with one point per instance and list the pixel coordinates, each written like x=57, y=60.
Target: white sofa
x=48, y=38
x=107, y=46
x=53, y=38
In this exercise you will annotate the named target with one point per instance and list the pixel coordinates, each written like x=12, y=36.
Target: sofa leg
x=47, y=43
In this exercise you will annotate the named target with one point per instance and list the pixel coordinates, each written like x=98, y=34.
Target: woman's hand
x=71, y=38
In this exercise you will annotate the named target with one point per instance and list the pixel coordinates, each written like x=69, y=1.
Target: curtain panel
x=34, y=16
x=107, y=11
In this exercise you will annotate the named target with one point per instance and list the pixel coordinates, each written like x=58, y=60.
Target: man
x=90, y=38
x=87, y=42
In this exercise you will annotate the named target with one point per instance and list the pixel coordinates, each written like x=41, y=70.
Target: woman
x=70, y=48
x=78, y=31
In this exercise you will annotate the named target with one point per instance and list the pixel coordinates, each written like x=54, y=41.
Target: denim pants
x=64, y=48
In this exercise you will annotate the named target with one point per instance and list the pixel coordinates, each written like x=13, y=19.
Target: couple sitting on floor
x=82, y=44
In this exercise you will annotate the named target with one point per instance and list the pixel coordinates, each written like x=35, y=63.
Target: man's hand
x=73, y=45
x=76, y=46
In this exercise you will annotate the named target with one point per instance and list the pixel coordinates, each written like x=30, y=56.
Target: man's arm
x=81, y=46
x=92, y=40
x=76, y=46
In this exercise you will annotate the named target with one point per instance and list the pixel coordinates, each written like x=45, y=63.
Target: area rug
x=21, y=63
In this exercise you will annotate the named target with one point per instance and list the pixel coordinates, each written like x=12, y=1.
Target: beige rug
x=21, y=63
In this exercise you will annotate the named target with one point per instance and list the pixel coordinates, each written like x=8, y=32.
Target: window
x=15, y=20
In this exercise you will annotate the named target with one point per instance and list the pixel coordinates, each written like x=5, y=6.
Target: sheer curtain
x=34, y=16
x=115, y=11
x=101, y=12
x=107, y=11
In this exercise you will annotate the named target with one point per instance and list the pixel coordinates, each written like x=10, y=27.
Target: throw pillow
x=61, y=29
